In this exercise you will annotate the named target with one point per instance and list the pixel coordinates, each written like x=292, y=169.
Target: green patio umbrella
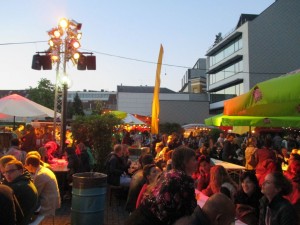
x=254, y=121
x=272, y=98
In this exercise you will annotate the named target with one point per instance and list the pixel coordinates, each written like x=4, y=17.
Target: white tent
x=16, y=106
x=130, y=119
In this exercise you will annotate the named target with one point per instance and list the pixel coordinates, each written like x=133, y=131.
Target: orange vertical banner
x=155, y=101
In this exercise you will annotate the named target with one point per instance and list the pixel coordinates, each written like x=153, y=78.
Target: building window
x=227, y=93
x=225, y=73
x=231, y=48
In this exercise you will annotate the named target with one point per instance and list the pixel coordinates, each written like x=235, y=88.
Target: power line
x=171, y=65
x=140, y=60
x=22, y=43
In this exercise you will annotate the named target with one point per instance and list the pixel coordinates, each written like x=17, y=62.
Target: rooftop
x=141, y=89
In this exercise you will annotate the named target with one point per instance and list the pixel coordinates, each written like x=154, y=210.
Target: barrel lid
x=89, y=180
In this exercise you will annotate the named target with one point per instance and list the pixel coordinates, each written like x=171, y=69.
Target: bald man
x=217, y=210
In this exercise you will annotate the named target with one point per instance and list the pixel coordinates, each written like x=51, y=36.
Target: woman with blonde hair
x=250, y=150
x=220, y=181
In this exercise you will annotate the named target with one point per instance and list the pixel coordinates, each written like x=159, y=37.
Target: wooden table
x=202, y=198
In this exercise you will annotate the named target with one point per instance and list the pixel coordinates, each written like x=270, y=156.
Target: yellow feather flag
x=155, y=101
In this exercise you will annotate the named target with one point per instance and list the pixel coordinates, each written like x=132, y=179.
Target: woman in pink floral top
x=173, y=196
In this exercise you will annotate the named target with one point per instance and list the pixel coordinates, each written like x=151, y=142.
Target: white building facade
x=182, y=108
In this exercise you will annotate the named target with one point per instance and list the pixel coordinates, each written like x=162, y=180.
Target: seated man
x=9, y=206
x=25, y=191
x=136, y=183
x=217, y=210
x=46, y=185
x=116, y=174
x=3, y=161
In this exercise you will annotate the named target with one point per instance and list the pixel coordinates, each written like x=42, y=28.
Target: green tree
x=98, y=108
x=77, y=106
x=169, y=128
x=43, y=94
x=98, y=130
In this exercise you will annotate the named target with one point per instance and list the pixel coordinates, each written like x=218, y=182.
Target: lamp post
x=64, y=44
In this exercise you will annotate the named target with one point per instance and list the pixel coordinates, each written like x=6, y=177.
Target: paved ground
x=113, y=215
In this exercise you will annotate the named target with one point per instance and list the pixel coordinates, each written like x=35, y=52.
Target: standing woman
x=250, y=149
x=173, y=196
x=274, y=209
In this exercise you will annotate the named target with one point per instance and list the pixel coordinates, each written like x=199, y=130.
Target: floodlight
x=54, y=42
x=76, y=55
x=74, y=43
x=55, y=32
x=55, y=55
x=75, y=24
x=63, y=23
x=74, y=33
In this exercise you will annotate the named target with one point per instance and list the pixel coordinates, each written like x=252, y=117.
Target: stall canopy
x=127, y=118
x=17, y=106
x=130, y=119
x=272, y=103
x=277, y=97
x=253, y=121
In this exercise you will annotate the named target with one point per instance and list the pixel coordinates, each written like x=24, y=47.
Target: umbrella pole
x=14, y=125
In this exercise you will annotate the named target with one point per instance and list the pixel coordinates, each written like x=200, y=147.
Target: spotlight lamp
x=74, y=43
x=54, y=55
x=64, y=42
x=73, y=33
x=76, y=55
x=64, y=23
x=75, y=24
x=55, y=42
x=55, y=33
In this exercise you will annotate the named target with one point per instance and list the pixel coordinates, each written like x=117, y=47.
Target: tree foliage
x=98, y=108
x=43, y=94
x=169, y=128
x=77, y=106
x=98, y=131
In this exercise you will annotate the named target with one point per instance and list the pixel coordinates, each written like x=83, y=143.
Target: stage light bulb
x=76, y=55
x=64, y=23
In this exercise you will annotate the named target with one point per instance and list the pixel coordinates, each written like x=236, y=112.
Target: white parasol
x=18, y=106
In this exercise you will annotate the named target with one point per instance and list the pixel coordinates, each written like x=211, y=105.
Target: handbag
x=253, y=159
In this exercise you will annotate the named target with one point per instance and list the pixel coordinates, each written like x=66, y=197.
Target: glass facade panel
x=227, y=72
x=228, y=50
x=227, y=93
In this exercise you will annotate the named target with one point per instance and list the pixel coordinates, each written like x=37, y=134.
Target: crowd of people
x=162, y=189
x=32, y=186
x=28, y=185
x=160, y=185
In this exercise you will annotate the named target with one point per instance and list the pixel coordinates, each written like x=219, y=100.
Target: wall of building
x=183, y=112
x=141, y=103
x=274, y=39
x=270, y=47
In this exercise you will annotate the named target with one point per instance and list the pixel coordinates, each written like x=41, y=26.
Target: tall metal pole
x=57, y=101
x=64, y=101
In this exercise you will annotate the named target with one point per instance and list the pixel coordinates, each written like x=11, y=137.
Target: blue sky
x=132, y=29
